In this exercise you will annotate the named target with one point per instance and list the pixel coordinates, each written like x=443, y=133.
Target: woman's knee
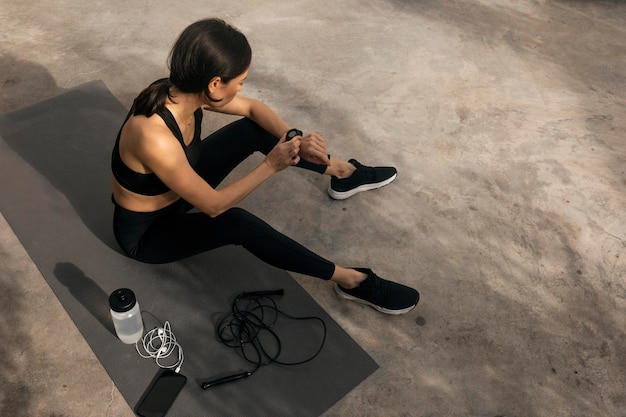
x=237, y=218
x=245, y=225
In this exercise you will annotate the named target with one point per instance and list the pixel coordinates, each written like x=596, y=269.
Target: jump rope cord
x=159, y=344
x=245, y=325
x=240, y=329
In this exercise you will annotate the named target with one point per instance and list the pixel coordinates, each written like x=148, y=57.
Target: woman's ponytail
x=152, y=98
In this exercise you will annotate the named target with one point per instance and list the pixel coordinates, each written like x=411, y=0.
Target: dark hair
x=206, y=49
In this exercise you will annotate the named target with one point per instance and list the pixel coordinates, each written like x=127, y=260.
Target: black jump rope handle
x=224, y=380
x=262, y=293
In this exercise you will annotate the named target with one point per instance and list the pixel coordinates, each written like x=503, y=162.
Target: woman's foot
x=385, y=296
x=362, y=179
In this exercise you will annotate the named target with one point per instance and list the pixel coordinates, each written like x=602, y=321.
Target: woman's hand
x=284, y=154
x=313, y=149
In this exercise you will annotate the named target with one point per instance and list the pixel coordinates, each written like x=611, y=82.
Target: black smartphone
x=160, y=394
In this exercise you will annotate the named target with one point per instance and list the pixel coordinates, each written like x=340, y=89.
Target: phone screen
x=161, y=394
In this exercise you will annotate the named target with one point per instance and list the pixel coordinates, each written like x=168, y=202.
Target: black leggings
x=174, y=232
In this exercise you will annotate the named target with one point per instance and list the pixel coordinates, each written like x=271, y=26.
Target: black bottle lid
x=122, y=300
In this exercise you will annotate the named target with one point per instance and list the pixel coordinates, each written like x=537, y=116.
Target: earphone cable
x=159, y=344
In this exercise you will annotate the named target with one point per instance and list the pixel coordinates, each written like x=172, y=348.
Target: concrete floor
x=506, y=120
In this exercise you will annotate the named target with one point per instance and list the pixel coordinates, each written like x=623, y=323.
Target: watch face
x=292, y=133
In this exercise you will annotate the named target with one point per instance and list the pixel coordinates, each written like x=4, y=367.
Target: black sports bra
x=150, y=184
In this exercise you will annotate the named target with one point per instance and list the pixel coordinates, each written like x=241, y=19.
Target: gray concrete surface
x=506, y=122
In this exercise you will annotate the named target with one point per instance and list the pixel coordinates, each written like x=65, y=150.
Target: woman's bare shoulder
x=142, y=131
x=147, y=141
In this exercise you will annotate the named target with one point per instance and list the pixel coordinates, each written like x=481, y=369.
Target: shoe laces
x=361, y=170
x=377, y=285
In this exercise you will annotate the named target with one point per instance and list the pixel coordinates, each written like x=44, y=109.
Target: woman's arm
x=312, y=147
x=256, y=111
x=163, y=155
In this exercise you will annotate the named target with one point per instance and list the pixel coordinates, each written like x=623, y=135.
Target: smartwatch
x=292, y=133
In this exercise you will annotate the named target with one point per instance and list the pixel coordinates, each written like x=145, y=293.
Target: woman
x=161, y=169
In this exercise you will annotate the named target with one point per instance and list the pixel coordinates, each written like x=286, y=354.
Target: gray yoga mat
x=55, y=195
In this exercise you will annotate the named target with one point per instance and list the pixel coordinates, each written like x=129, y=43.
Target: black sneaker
x=385, y=296
x=363, y=179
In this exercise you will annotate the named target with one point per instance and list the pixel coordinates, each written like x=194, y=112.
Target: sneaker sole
x=342, y=195
x=374, y=306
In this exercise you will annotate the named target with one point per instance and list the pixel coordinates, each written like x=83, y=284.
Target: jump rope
x=249, y=328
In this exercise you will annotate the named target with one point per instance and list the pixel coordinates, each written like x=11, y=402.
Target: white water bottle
x=126, y=315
